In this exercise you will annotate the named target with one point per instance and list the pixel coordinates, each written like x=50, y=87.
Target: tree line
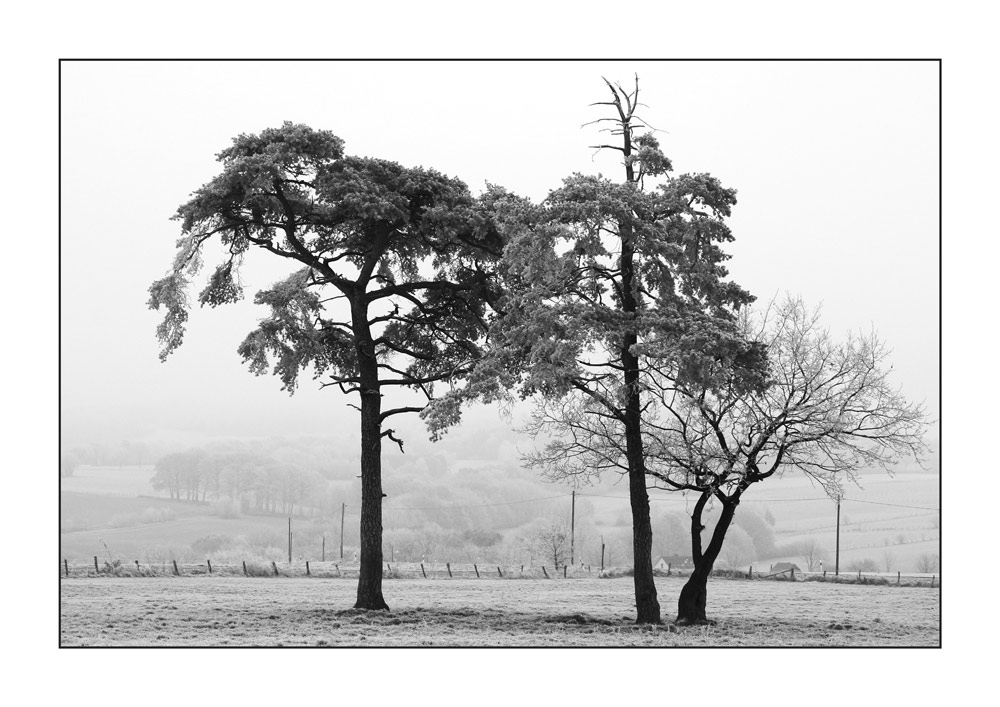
x=608, y=304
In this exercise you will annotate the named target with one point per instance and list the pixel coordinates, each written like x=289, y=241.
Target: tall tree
x=604, y=277
x=394, y=272
x=828, y=409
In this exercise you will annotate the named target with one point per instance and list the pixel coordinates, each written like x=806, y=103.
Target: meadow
x=589, y=612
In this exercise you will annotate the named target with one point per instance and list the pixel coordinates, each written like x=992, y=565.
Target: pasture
x=281, y=611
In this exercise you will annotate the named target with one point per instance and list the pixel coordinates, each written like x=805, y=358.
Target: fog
x=835, y=163
x=836, y=167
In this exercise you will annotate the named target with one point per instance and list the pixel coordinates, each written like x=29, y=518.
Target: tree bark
x=370, y=574
x=694, y=594
x=646, y=604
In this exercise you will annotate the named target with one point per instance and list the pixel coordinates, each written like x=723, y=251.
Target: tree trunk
x=646, y=604
x=370, y=575
x=694, y=594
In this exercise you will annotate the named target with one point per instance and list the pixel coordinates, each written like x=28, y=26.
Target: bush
x=865, y=565
x=258, y=569
x=614, y=572
x=210, y=544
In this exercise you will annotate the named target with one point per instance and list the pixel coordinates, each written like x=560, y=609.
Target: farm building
x=784, y=567
x=675, y=561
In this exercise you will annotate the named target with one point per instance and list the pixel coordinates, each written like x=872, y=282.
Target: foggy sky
x=836, y=167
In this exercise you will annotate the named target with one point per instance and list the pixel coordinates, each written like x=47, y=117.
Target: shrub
x=210, y=544
x=258, y=569
x=614, y=572
x=865, y=565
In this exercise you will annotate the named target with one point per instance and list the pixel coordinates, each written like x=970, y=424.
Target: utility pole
x=572, y=528
x=342, y=506
x=836, y=568
x=289, y=539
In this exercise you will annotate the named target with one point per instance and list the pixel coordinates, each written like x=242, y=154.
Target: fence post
x=544, y=572
x=337, y=567
x=476, y=569
x=564, y=571
x=932, y=581
x=176, y=571
x=245, y=568
x=137, y=565
x=750, y=572
x=499, y=573
x=793, y=574
x=448, y=564
x=275, y=566
x=66, y=565
x=422, y=570
x=389, y=566
x=307, y=568
x=897, y=578
x=522, y=570
x=96, y=568
x=208, y=561
x=859, y=574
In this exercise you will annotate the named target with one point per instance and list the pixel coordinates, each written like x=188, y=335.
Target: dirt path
x=240, y=611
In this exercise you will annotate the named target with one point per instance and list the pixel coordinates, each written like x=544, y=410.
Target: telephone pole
x=836, y=567
x=572, y=528
x=342, y=506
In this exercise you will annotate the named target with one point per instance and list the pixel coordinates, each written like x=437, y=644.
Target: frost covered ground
x=283, y=611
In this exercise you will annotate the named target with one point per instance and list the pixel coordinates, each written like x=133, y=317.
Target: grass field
x=239, y=611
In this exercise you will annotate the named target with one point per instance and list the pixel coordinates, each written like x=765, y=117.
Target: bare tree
x=828, y=410
x=928, y=562
x=888, y=561
x=550, y=541
x=739, y=550
x=812, y=553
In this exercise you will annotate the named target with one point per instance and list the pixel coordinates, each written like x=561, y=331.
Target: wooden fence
x=449, y=570
x=335, y=569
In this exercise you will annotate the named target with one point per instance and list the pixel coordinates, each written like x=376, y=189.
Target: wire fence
x=459, y=570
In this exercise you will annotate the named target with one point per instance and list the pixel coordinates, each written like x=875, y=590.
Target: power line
x=672, y=498
x=776, y=500
x=897, y=505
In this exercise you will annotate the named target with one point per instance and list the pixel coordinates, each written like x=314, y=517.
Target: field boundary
x=258, y=567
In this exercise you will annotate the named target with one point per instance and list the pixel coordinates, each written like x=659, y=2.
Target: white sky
x=836, y=167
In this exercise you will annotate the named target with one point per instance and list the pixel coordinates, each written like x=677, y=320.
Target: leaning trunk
x=694, y=594
x=370, y=573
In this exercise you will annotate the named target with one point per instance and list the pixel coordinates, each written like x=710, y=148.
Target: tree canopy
x=391, y=290
x=605, y=279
